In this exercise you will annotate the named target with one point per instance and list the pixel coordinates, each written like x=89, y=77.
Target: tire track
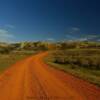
x=32, y=79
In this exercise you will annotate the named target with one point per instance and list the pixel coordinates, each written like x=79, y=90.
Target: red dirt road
x=32, y=79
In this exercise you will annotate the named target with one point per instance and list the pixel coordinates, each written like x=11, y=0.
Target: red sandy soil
x=32, y=79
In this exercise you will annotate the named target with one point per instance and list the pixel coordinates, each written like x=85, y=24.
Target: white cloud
x=10, y=26
x=51, y=39
x=82, y=39
x=5, y=36
x=74, y=30
x=90, y=37
x=74, y=33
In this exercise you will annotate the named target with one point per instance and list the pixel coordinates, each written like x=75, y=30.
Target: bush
x=83, y=58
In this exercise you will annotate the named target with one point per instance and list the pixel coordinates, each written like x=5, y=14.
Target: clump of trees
x=35, y=46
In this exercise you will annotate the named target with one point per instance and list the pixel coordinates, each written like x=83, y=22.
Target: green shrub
x=82, y=58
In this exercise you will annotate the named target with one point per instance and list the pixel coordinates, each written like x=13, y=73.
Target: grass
x=6, y=60
x=91, y=75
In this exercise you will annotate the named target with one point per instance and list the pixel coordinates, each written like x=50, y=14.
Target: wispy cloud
x=90, y=37
x=10, y=26
x=50, y=39
x=75, y=33
x=94, y=37
x=72, y=33
x=72, y=30
x=5, y=36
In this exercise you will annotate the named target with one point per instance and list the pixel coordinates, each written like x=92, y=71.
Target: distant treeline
x=57, y=45
x=6, y=48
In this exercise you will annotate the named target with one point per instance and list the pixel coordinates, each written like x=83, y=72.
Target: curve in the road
x=32, y=79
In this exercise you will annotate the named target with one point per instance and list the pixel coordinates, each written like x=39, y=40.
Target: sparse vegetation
x=78, y=58
x=83, y=63
x=8, y=59
x=84, y=58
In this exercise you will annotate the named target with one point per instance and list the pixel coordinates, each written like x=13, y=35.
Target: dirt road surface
x=32, y=79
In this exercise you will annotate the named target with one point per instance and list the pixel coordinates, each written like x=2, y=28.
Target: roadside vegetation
x=81, y=59
x=8, y=59
x=83, y=63
x=10, y=54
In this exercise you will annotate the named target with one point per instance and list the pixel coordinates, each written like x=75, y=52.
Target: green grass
x=6, y=60
x=91, y=75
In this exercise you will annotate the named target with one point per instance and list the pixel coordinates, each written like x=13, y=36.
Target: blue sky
x=34, y=20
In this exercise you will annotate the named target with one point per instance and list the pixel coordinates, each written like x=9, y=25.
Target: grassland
x=83, y=63
x=81, y=59
x=6, y=60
